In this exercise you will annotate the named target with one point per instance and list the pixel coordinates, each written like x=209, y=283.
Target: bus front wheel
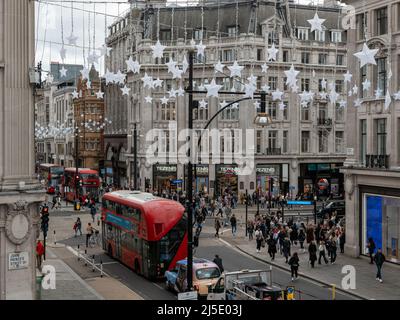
x=137, y=267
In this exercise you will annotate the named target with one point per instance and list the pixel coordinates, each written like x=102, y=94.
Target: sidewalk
x=367, y=287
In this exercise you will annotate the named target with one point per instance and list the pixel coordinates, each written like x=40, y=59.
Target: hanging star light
x=200, y=49
x=125, y=90
x=219, y=67
x=350, y=93
x=93, y=58
x=185, y=64
x=323, y=83
x=164, y=100
x=316, y=23
x=266, y=88
x=172, y=93
x=295, y=88
x=50, y=78
x=63, y=53
x=347, y=76
x=158, y=50
x=388, y=100
x=147, y=81
x=323, y=95
x=235, y=106
x=180, y=92
x=63, y=72
x=109, y=77
x=366, y=56
x=249, y=89
x=72, y=39
x=88, y=85
x=355, y=89
x=333, y=96
x=104, y=50
x=157, y=83
x=378, y=93
x=148, y=99
x=171, y=64
x=85, y=73
x=223, y=104
x=282, y=106
x=396, y=96
x=203, y=104
x=120, y=77
x=193, y=43
x=277, y=95
x=264, y=68
x=257, y=105
x=366, y=85
x=304, y=104
x=236, y=70
x=291, y=75
x=357, y=103
x=99, y=94
x=252, y=80
x=212, y=89
x=75, y=94
x=177, y=73
x=272, y=53
x=342, y=104
x=133, y=66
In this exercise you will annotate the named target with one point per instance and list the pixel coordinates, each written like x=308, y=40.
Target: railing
x=273, y=151
x=377, y=161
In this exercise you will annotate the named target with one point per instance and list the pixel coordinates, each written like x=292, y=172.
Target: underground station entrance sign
x=300, y=203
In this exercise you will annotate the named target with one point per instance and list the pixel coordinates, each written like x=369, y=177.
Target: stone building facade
x=372, y=172
x=20, y=192
x=302, y=146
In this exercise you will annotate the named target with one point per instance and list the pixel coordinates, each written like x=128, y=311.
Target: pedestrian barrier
x=90, y=261
x=54, y=235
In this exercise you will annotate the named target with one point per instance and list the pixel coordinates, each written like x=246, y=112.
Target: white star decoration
x=172, y=93
x=277, y=95
x=99, y=94
x=366, y=85
x=257, y=105
x=291, y=75
x=104, y=50
x=342, y=104
x=180, y=92
x=63, y=53
x=378, y=93
x=119, y=77
x=249, y=89
x=316, y=23
x=85, y=73
x=388, y=100
x=355, y=89
x=333, y=96
x=200, y=49
x=347, y=76
x=357, y=103
x=125, y=90
x=177, y=73
x=93, y=58
x=63, y=72
x=133, y=66
x=185, y=64
x=223, y=104
x=72, y=40
x=282, y=106
x=158, y=50
x=147, y=81
x=236, y=70
x=366, y=56
x=264, y=68
x=219, y=67
x=323, y=95
x=148, y=99
x=171, y=64
x=157, y=83
x=397, y=96
x=109, y=77
x=164, y=100
x=266, y=88
x=272, y=53
x=75, y=94
x=212, y=89
x=323, y=83
x=203, y=104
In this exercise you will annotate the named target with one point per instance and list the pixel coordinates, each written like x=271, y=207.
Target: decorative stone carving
x=349, y=185
x=18, y=223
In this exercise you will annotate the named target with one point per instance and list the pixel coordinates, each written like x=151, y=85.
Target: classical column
x=20, y=192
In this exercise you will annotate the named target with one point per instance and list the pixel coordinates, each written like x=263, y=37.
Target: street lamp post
x=135, y=168
x=315, y=210
x=246, y=210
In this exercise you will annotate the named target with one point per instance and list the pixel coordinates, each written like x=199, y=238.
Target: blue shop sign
x=302, y=203
x=119, y=221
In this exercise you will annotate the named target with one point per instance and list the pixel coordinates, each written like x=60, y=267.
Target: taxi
x=205, y=274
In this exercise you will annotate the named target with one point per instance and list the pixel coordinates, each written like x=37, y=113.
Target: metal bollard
x=93, y=264
x=101, y=268
x=85, y=257
x=79, y=259
x=55, y=239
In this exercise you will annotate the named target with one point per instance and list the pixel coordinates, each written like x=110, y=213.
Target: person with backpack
x=233, y=224
x=259, y=238
x=312, y=250
x=371, y=249
x=294, y=264
x=286, y=249
x=379, y=260
x=322, y=252
x=271, y=247
x=78, y=226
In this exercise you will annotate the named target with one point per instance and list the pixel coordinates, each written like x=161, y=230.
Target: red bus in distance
x=51, y=175
x=90, y=184
x=146, y=233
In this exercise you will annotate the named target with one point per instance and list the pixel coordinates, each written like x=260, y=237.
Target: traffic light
x=45, y=220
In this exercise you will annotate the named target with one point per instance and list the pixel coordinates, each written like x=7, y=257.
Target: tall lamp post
x=261, y=119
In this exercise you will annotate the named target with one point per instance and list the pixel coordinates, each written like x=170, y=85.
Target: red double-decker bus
x=51, y=175
x=146, y=233
x=88, y=187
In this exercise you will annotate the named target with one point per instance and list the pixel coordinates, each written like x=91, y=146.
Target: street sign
x=18, y=260
x=192, y=295
x=176, y=181
x=300, y=203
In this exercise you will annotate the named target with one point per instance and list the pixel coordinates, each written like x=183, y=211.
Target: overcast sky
x=54, y=20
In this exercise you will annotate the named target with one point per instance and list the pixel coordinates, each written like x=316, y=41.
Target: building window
x=233, y=31
x=285, y=56
x=305, y=57
x=340, y=59
x=339, y=86
x=272, y=110
x=273, y=38
x=322, y=58
x=272, y=140
x=260, y=56
x=361, y=21
x=272, y=82
x=166, y=112
x=339, y=141
x=230, y=114
x=302, y=33
x=382, y=75
x=258, y=141
x=320, y=36
x=380, y=137
x=323, y=141
x=165, y=34
x=199, y=113
x=285, y=111
x=363, y=142
x=285, y=142
x=305, y=114
x=305, y=85
x=336, y=36
x=322, y=113
x=227, y=55
x=339, y=113
x=199, y=34
x=305, y=141
x=381, y=21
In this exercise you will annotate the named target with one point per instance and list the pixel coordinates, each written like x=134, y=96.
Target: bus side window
x=137, y=214
x=118, y=209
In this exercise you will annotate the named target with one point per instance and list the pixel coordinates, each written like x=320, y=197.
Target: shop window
x=252, y=185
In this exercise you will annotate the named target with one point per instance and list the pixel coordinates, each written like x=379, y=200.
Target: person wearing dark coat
x=342, y=241
x=294, y=265
x=301, y=238
x=379, y=260
x=286, y=249
x=312, y=250
x=271, y=247
x=218, y=261
x=371, y=249
x=310, y=234
x=293, y=235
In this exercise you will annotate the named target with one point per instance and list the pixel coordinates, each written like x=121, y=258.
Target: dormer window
x=319, y=35
x=302, y=34
x=336, y=36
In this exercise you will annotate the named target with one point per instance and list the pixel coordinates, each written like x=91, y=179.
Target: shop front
x=273, y=178
x=380, y=217
x=324, y=179
x=226, y=179
x=164, y=178
x=200, y=178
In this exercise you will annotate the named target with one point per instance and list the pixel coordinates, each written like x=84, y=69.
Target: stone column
x=20, y=192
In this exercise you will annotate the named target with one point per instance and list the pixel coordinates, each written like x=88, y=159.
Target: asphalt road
x=233, y=260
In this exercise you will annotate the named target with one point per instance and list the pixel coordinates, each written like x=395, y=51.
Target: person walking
x=302, y=238
x=333, y=249
x=294, y=264
x=93, y=212
x=233, y=224
x=89, y=233
x=218, y=261
x=39, y=254
x=259, y=238
x=342, y=241
x=379, y=259
x=322, y=252
x=217, y=226
x=250, y=229
x=271, y=247
x=286, y=249
x=371, y=249
x=78, y=226
x=312, y=250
